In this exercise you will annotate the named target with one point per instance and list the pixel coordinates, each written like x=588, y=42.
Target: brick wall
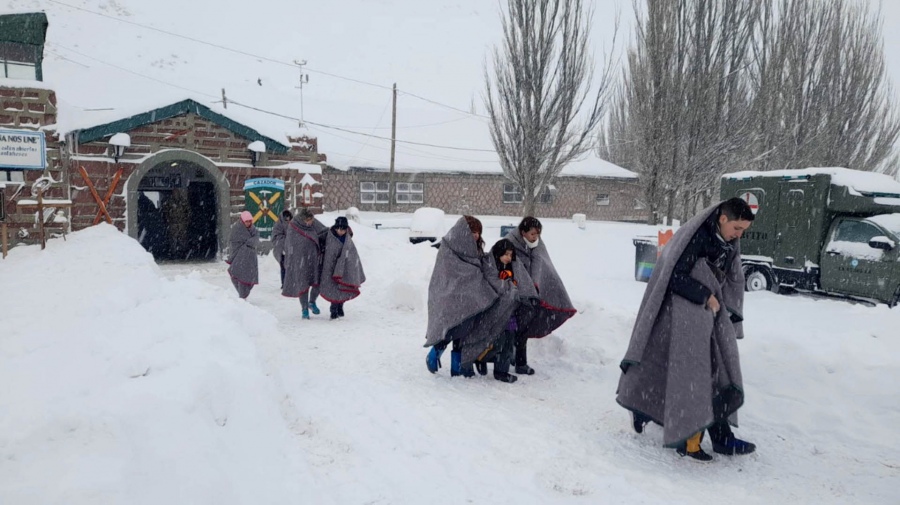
x=482, y=194
x=192, y=133
x=31, y=109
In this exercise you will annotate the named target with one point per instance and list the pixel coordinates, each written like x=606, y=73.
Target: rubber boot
x=433, y=359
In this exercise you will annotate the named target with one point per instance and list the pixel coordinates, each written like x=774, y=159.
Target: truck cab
x=828, y=230
x=860, y=257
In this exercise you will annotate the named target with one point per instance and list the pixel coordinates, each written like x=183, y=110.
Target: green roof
x=177, y=109
x=29, y=28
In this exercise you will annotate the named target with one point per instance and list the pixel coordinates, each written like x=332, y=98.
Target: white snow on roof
x=303, y=168
x=891, y=222
x=591, y=165
x=863, y=182
x=308, y=180
x=24, y=83
x=587, y=167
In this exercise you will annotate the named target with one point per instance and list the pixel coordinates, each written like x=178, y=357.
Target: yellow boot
x=692, y=449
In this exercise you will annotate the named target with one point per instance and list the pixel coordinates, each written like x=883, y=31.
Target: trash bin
x=644, y=257
x=504, y=230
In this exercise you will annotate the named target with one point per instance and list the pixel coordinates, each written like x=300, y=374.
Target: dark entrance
x=177, y=212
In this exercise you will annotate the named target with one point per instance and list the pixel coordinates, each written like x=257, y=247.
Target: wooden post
x=393, y=147
x=40, y=207
x=5, y=232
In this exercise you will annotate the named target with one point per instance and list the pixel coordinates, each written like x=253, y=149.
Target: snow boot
x=456, y=367
x=481, y=366
x=732, y=446
x=305, y=314
x=505, y=377
x=315, y=310
x=524, y=370
x=638, y=421
x=691, y=448
x=334, y=312
x=340, y=311
x=433, y=360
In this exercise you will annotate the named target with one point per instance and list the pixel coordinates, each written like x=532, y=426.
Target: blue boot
x=315, y=310
x=433, y=360
x=305, y=314
x=456, y=367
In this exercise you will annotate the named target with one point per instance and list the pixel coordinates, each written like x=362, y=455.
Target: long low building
x=591, y=186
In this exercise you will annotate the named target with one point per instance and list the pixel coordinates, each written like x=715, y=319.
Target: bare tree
x=542, y=79
x=822, y=97
x=682, y=113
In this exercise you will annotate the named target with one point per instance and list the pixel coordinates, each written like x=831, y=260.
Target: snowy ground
x=131, y=383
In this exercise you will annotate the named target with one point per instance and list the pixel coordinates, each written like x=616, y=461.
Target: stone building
x=594, y=187
x=184, y=162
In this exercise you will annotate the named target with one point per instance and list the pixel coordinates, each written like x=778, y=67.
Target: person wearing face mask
x=303, y=253
x=243, y=264
x=552, y=307
x=682, y=369
x=342, y=271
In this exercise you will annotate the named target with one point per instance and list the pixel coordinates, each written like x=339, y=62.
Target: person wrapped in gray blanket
x=682, y=369
x=457, y=294
x=243, y=264
x=304, y=247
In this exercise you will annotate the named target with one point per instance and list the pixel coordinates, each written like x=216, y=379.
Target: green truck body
x=831, y=230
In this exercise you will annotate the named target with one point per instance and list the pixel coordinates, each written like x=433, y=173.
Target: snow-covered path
x=375, y=427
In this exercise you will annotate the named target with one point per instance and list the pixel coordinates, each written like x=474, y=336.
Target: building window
x=409, y=192
x=374, y=192
x=602, y=198
x=19, y=70
x=512, y=194
x=639, y=205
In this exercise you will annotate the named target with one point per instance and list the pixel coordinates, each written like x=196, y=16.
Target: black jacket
x=705, y=244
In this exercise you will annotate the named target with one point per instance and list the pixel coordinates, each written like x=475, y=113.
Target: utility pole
x=304, y=78
x=224, y=99
x=393, y=147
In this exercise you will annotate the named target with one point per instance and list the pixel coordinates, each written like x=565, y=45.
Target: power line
x=123, y=69
x=407, y=93
x=256, y=56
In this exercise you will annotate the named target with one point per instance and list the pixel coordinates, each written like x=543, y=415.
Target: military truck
x=827, y=230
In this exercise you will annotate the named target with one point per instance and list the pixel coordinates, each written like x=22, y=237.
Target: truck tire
x=757, y=278
x=896, y=300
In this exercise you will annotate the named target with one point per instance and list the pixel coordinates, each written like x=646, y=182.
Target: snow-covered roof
x=591, y=166
x=890, y=222
x=308, y=180
x=303, y=168
x=862, y=182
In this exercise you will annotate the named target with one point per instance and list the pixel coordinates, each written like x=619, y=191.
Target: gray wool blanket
x=342, y=271
x=242, y=258
x=458, y=291
x=683, y=357
x=489, y=325
x=553, y=306
x=302, y=256
x=279, y=233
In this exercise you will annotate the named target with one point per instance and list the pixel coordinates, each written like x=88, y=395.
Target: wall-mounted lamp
x=119, y=142
x=256, y=148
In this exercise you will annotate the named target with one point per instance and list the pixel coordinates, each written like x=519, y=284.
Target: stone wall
x=483, y=194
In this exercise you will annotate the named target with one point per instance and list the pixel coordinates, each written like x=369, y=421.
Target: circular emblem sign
x=752, y=201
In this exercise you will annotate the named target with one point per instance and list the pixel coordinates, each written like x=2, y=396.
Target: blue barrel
x=644, y=257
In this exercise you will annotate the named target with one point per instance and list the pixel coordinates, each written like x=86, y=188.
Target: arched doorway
x=179, y=207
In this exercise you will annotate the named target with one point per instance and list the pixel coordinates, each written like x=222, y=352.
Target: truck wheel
x=896, y=300
x=756, y=280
